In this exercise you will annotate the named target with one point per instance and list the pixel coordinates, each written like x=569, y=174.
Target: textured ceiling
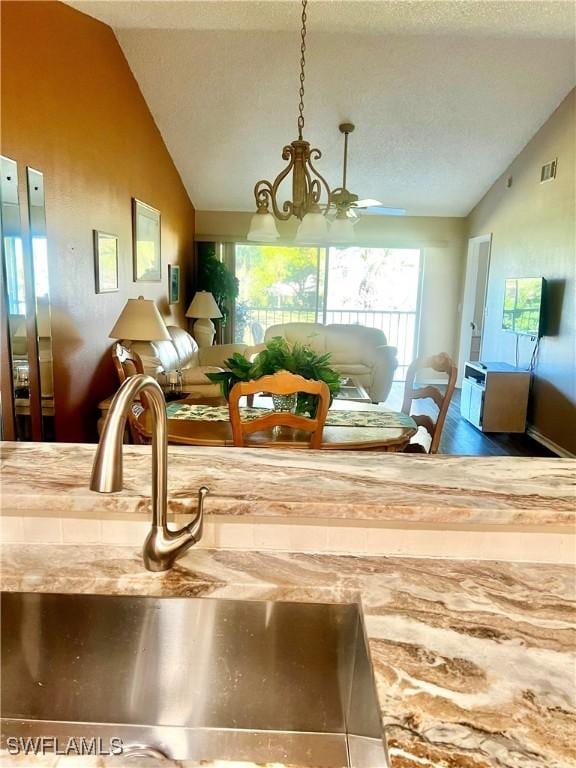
x=444, y=95
x=530, y=18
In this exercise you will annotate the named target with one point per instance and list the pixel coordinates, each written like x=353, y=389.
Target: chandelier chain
x=302, y=66
x=309, y=187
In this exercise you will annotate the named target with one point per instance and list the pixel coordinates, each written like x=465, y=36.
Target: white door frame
x=469, y=299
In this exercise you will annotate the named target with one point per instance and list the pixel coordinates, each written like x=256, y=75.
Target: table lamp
x=203, y=307
x=140, y=321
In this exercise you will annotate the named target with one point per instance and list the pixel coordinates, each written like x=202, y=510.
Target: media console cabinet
x=495, y=396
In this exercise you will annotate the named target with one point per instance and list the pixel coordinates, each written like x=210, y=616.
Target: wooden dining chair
x=441, y=363
x=280, y=383
x=128, y=363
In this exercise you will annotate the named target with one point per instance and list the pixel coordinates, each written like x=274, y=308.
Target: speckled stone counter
x=346, y=485
x=474, y=660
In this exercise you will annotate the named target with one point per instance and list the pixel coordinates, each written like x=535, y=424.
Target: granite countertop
x=343, y=485
x=474, y=660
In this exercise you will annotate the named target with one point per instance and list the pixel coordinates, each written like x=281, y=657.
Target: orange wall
x=72, y=109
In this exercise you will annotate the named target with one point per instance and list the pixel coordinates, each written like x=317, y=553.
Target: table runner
x=381, y=419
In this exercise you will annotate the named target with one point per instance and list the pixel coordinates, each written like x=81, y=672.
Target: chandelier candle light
x=307, y=184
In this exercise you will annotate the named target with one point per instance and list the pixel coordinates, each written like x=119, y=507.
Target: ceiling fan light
x=313, y=229
x=263, y=228
x=342, y=230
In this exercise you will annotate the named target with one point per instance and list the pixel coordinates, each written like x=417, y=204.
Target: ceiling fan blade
x=382, y=210
x=368, y=203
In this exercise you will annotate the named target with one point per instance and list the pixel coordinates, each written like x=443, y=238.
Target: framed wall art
x=105, y=262
x=146, y=245
x=173, y=284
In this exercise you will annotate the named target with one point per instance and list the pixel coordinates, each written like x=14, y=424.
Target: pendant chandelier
x=308, y=186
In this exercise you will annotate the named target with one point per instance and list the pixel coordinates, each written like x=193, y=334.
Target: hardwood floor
x=461, y=438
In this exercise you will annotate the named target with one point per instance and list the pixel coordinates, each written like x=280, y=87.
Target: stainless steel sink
x=197, y=679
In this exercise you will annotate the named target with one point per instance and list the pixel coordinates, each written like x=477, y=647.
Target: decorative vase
x=284, y=403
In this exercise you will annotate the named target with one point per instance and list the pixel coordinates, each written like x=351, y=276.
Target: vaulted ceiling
x=443, y=94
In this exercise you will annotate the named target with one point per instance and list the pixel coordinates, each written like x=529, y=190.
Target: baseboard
x=547, y=443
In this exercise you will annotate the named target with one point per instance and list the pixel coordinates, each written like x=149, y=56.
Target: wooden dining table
x=219, y=433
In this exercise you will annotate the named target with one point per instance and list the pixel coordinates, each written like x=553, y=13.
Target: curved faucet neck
x=162, y=546
x=107, y=468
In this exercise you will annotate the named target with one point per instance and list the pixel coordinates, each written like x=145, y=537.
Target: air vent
x=548, y=171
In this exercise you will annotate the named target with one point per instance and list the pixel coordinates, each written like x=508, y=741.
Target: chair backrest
x=441, y=363
x=128, y=363
x=280, y=383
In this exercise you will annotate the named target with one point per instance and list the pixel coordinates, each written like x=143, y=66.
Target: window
x=376, y=287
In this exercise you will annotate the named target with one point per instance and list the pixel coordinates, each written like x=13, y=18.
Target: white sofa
x=182, y=354
x=355, y=350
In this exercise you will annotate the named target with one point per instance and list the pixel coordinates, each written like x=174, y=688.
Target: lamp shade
x=263, y=228
x=342, y=230
x=313, y=229
x=140, y=321
x=203, y=305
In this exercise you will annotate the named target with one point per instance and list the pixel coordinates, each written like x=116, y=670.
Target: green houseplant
x=278, y=355
x=214, y=276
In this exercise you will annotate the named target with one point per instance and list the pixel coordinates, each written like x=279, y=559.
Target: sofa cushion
x=312, y=334
x=352, y=343
x=198, y=375
x=156, y=356
x=216, y=355
x=186, y=347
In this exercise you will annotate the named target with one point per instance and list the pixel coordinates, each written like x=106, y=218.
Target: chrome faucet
x=162, y=546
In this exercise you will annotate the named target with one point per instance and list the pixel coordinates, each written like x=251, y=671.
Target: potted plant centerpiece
x=279, y=355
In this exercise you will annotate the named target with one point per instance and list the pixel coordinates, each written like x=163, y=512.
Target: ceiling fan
x=346, y=204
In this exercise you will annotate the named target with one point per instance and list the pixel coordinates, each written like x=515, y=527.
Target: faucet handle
x=163, y=546
x=196, y=526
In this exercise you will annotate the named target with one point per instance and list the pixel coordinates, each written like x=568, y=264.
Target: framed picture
x=173, y=284
x=146, y=245
x=105, y=262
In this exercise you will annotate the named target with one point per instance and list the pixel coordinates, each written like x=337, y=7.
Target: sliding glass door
x=376, y=287
x=278, y=284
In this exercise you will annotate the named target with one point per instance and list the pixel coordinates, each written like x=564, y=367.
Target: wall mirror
x=39, y=248
x=16, y=416
x=27, y=396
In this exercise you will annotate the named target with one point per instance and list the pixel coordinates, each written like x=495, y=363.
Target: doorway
x=474, y=302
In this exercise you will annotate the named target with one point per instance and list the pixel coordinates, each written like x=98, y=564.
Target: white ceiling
x=444, y=94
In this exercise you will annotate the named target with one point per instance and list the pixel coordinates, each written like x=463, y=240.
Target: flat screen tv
x=523, y=305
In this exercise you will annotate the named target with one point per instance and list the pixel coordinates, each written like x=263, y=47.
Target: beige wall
x=533, y=228
x=72, y=109
x=443, y=244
